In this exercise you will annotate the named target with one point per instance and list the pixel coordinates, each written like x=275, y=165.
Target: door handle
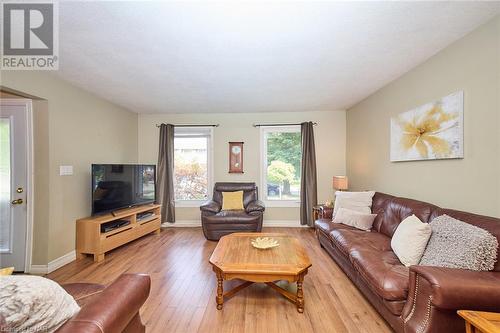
x=17, y=201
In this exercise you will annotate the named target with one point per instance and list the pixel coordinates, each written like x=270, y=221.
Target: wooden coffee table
x=236, y=258
x=480, y=322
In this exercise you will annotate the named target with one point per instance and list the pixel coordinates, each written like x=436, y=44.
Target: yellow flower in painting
x=422, y=133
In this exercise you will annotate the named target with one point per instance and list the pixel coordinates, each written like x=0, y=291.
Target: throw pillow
x=456, y=244
x=232, y=200
x=6, y=271
x=358, y=201
x=409, y=240
x=355, y=219
x=34, y=304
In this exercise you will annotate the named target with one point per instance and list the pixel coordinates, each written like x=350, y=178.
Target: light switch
x=65, y=170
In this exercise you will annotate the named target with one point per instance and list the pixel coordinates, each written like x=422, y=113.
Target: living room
x=320, y=127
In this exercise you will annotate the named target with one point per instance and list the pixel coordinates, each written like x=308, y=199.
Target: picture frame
x=236, y=157
x=432, y=131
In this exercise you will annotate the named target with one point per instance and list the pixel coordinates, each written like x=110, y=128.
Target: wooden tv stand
x=90, y=239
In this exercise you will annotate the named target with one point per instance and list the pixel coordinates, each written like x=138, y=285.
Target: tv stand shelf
x=90, y=239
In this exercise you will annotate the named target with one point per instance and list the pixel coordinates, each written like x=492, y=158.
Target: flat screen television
x=117, y=186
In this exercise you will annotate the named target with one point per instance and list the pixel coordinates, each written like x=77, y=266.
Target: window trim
x=263, y=165
x=210, y=166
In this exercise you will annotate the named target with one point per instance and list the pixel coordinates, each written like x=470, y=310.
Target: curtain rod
x=192, y=125
x=264, y=125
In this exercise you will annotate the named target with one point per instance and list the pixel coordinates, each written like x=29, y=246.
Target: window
x=281, y=159
x=192, y=164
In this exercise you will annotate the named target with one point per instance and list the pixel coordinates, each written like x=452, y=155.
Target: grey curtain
x=308, y=181
x=165, y=177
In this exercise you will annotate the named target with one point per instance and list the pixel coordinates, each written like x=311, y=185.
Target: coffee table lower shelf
x=297, y=299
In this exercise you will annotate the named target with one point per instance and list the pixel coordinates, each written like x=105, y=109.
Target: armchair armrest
x=113, y=308
x=211, y=207
x=255, y=206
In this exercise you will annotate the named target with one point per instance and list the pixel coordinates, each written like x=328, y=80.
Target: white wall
x=329, y=137
x=72, y=127
x=471, y=64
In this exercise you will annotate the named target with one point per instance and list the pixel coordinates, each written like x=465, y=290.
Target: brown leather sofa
x=419, y=298
x=111, y=309
x=217, y=223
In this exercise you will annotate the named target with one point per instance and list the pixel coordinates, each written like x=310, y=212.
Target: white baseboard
x=38, y=269
x=267, y=223
x=54, y=264
x=283, y=224
x=182, y=224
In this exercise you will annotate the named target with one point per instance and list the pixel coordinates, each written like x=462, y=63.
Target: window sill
x=281, y=203
x=189, y=203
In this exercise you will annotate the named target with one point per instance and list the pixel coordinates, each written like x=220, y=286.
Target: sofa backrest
x=392, y=210
x=249, y=191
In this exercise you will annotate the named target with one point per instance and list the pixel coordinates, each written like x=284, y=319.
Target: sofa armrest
x=211, y=207
x=436, y=293
x=326, y=212
x=453, y=289
x=113, y=309
x=255, y=206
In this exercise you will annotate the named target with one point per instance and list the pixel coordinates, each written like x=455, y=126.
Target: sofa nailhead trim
x=414, y=301
x=427, y=316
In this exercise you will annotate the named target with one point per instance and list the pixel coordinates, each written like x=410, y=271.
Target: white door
x=13, y=182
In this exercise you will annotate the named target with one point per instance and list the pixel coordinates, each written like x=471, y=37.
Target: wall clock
x=235, y=157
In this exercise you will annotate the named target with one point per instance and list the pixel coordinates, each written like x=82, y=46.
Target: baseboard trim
x=182, y=224
x=54, y=264
x=38, y=269
x=267, y=223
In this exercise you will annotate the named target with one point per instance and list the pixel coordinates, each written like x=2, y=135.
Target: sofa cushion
x=347, y=238
x=371, y=255
x=397, y=209
x=382, y=271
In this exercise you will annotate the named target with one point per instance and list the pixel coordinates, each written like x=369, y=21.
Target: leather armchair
x=217, y=223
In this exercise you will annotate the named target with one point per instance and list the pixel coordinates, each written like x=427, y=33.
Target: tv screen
x=116, y=186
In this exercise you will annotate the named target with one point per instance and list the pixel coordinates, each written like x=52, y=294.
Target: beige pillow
x=232, y=200
x=355, y=219
x=410, y=239
x=358, y=201
x=34, y=304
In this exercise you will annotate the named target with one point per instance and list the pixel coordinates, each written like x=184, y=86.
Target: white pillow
x=355, y=219
x=34, y=304
x=410, y=239
x=358, y=201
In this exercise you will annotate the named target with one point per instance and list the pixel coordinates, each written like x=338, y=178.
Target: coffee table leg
x=300, y=294
x=220, y=298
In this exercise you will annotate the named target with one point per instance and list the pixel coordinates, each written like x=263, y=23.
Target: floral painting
x=431, y=131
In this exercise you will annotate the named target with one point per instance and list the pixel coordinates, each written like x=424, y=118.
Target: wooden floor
x=183, y=289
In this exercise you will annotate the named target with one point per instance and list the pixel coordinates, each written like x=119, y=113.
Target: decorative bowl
x=264, y=243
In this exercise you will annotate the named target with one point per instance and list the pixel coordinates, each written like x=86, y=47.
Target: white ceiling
x=154, y=57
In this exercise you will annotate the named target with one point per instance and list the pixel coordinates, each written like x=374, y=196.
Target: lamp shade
x=340, y=183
